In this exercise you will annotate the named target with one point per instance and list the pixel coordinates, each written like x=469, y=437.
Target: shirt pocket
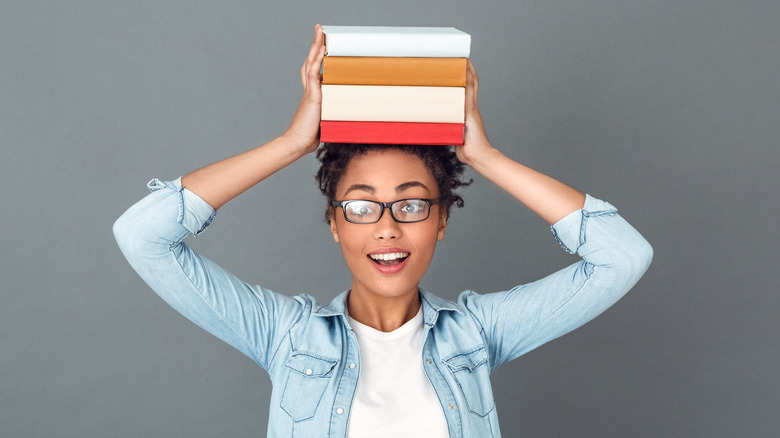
x=307, y=381
x=471, y=371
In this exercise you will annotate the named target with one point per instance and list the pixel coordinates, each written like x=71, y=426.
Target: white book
x=381, y=103
x=390, y=41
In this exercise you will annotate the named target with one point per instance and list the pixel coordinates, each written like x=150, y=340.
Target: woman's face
x=387, y=176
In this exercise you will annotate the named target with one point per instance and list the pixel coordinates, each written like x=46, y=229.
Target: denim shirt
x=309, y=349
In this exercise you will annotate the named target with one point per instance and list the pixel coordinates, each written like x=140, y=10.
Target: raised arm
x=614, y=256
x=151, y=235
x=548, y=197
x=222, y=181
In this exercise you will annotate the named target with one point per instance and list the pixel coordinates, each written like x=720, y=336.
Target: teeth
x=389, y=256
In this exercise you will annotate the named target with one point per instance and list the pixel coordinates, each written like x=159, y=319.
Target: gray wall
x=667, y=109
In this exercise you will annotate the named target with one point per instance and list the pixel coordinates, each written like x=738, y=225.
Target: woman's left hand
x=475, y=142
x=304, y=128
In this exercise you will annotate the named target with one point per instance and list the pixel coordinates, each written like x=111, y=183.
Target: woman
x=384, y=358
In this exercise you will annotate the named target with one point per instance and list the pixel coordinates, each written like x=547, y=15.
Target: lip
x=392, y=269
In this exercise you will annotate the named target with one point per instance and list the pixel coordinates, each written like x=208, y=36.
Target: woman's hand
x=222, y=181
x=475, y=143
x=549, y=198
x=304, y=129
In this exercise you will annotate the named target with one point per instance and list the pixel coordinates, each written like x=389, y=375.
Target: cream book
x=425, y=42
x=378, y=103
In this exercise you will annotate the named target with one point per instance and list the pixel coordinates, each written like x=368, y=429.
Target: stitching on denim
x=445, y=306
x=610, y=211
x=468, y=406
x=331, y=360
x=316, y=406
x=458, y=373
x=560, y=242
x=464, y=352
x=288, y=335
x=206, y=224
x=583, y=223
x=281, y=405
x=154, y=184
x=483, y=335
x=587, y=214
x=180, y=218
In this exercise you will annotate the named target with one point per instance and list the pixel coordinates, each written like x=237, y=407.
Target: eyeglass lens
x=405, y=210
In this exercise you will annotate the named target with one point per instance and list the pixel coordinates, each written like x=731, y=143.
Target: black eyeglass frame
x=385, y=205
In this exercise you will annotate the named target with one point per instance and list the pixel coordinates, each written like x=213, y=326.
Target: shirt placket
x=345, y=394
x=440, y=386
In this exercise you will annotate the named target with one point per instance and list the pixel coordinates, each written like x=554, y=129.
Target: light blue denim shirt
x=309, y=350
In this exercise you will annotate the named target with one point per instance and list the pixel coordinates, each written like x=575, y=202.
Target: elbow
x=634, y=262
x=641, y=256
x=123, y=233
x=133, y=236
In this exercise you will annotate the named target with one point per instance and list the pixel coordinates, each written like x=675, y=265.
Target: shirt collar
x=337, y=306
x=432, y=305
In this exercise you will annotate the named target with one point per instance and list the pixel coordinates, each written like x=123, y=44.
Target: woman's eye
x=361, y=209
x=411, y=207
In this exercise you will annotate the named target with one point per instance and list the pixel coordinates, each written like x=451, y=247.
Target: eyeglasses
x=405, y=211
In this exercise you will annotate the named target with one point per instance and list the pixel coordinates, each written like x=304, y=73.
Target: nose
x=387, y=228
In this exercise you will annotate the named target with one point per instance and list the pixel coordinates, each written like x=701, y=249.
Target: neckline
x=364, y=330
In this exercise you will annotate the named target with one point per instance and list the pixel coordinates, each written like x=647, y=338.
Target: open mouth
x=389, y=259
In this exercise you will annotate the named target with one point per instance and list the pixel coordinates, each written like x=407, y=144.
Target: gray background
x=667, y=109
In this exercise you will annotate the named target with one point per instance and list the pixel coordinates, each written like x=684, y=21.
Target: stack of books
x=396, y=85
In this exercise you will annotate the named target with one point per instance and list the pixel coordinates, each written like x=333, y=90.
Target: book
x=357, y=70
x=379, y=103
x=391, y=132
x=425, y=42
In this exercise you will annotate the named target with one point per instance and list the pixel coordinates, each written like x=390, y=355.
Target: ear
x=442, y=226
x=333, y=228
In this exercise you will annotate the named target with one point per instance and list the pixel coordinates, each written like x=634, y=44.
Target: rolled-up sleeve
x=614, y=256
x=150, y=234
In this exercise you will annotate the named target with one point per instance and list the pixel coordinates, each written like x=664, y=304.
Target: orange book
x=442, y=72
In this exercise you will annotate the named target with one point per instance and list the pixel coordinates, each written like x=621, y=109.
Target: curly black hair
x=447, y=170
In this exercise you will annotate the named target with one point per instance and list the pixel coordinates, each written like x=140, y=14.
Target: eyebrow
x=400, y=188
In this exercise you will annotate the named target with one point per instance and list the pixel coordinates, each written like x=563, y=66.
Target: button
x=352, y=365
x=339, y=411
x=428, y=361
x=308, y=372
x=451, y=406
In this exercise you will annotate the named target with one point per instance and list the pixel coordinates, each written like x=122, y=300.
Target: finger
x=472, y=77
x=313, y=64
x=315, y=76
x=316, y=44
x=303, y=75
x=310, y=73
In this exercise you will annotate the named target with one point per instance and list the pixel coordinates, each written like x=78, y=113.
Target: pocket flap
x=310, y=365
x=467, y=361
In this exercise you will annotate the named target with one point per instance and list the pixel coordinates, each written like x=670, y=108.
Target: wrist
x=298, y=144
x=476, y=152
x=480, y=158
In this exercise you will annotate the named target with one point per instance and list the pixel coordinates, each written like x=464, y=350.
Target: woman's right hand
x=304, y=129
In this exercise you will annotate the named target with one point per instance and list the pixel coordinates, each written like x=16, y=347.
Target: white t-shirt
x=394, y=397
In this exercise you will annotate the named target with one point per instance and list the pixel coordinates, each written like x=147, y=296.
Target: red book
x=391, y=132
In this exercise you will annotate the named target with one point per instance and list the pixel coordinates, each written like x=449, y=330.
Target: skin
x=384, y=305
x=386, y=301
